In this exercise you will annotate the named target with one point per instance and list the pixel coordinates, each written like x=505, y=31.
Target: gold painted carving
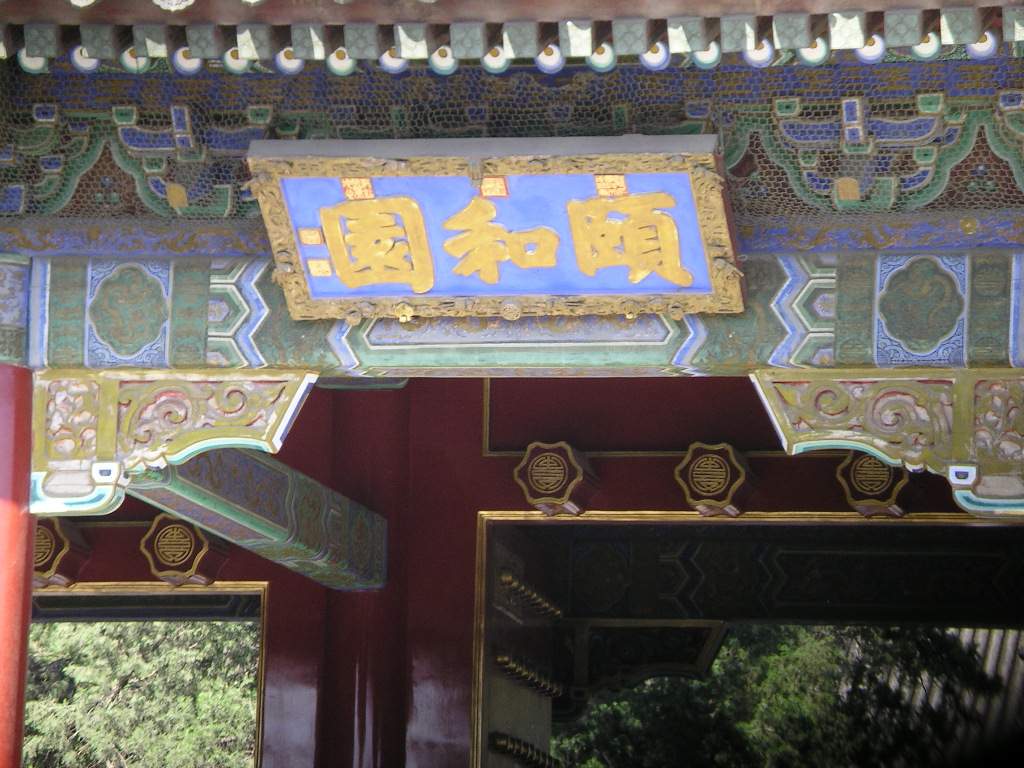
x=871, y=486
x=173, y=545
x=72, y=416
x=966, y=425
x=175, y=551
x=709, y=474
x=547, y=472
x=157, y=418
x=715, y=479
x=999, y=420
x=726, y=290
x=93, y=430
x=898, y=419
x=870, y=476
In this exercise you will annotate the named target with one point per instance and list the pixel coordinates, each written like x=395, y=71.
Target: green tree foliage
x=147, y=694
x=791, y=697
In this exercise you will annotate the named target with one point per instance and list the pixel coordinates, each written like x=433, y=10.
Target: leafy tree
x=147, y=694
x=791, y=697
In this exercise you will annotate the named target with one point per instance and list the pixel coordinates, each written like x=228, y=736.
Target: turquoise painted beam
x=268, y=508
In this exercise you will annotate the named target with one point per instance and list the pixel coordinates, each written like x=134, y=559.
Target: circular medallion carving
x=173, y=545
x=921, y=305
x=709, y=474
x=44, y=547
x=869, y=475
x=548, y=472
x=129, y=310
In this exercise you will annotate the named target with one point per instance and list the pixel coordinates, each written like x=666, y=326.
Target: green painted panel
x=491, y=342
x=855, y=292
x=189, y=295
x=65, y=347
x=740, y=343
x=288, y=343
x=12, y=345
x=988, y=323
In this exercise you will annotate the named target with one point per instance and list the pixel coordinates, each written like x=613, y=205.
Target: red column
x=17, y=538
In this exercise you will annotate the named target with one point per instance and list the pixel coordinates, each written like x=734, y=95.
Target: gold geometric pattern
x=173, y=545
x=45, y=545
x=869, y=475
x=548, y=472
x=709, y=474
x=175, y=551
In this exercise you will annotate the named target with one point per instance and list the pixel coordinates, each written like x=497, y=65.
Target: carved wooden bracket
x=715, y=479
x=874, y=487
x=94, y=430
x=965, y=425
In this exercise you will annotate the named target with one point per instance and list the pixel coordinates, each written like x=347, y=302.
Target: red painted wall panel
x=383, y=678
x=17, y=536
x=363, y=722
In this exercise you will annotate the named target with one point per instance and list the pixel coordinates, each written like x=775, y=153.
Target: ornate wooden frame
x=270, y=162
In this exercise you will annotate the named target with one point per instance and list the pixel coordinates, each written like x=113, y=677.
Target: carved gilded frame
x=707, y=183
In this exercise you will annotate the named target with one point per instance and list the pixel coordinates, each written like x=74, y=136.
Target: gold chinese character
x=380, y=240
x=628, y=231
x=483, y=244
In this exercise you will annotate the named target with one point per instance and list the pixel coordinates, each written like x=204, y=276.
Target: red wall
x=383, y=678
x=398, y=669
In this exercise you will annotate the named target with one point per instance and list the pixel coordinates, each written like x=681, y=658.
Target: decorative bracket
x=965, y=425
x=94, y=430
x=715, y=479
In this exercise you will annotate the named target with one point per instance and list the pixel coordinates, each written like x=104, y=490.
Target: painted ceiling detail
x=803, y=310
x=842, y=155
